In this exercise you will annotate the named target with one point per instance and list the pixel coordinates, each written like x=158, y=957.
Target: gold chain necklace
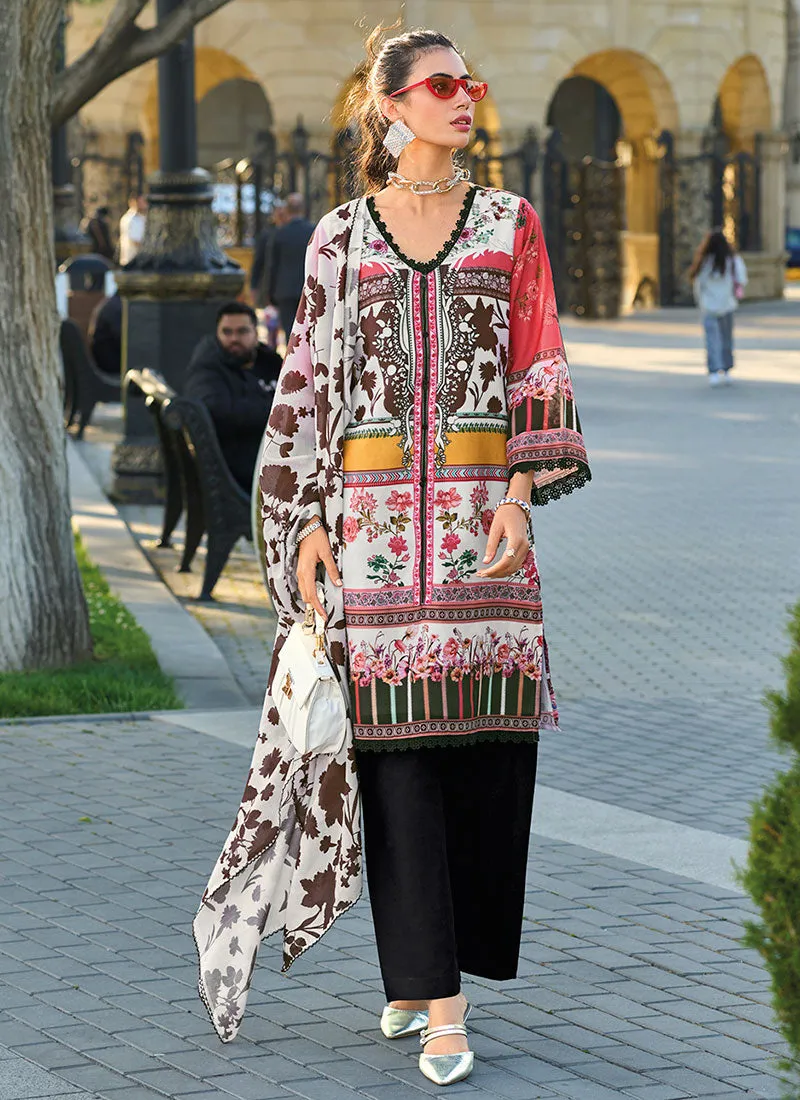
x=429, y=187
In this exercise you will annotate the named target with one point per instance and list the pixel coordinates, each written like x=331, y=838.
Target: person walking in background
x=287, y=266
x=98, y=227
x=131, y=227
x=234, y=376
x=262, y=255
x=719, y=277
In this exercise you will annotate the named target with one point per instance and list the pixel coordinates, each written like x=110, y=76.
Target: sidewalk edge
x=184, y=650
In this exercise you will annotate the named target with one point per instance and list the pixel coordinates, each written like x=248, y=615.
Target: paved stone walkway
x=666, y=584
x=632, y=981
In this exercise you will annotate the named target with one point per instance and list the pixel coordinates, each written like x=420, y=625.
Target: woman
x=719, y=277
x=425, y=403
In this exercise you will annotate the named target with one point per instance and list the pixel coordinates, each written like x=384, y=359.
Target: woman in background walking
x=719, y=277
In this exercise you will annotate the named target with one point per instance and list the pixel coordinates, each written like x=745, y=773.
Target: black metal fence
x=514, y=170
x=121, y=175
x=328, y=179
x=242, y=202
x=713, y=188
x=584, y=212
x=583, y=203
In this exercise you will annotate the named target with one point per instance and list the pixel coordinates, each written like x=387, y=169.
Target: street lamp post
x=69, y=238
x=180, y=276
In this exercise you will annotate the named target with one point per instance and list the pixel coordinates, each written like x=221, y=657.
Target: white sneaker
x=726, y=378
x=716, y=379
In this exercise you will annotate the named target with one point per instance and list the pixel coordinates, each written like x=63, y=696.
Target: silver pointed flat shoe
x=446, y=1069
x=396, y=1023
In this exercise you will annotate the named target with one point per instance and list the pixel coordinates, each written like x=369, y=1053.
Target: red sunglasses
x=445, y=87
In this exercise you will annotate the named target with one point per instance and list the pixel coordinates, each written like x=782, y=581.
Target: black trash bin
x=87, y=276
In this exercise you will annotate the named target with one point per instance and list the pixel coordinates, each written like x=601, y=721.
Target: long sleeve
x=544, y=427
x=739, y=271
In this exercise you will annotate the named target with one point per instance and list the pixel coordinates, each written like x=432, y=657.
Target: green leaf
x=771, y=875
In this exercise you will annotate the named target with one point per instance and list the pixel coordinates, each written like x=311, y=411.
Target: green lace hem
x=444, y=251
x=480, y=737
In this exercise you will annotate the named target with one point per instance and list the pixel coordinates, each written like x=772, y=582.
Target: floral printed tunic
x=407, y=395
x=459, y=380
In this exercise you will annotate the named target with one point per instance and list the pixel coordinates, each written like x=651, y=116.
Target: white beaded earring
x=398, y=136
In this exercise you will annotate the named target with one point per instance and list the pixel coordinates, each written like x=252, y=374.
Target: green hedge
x=123, y=674
x=772, y=874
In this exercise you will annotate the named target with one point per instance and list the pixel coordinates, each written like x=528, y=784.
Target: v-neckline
x=444, y=251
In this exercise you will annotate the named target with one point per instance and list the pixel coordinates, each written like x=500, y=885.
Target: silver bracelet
x=315, y=526
x=515, y=500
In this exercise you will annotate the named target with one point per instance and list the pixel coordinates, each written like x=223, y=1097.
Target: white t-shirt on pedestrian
x=715, y=293
x=131, y=235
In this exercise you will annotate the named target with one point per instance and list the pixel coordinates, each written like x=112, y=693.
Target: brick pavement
x=667, y=583
x=665, y=590
x=633, y=982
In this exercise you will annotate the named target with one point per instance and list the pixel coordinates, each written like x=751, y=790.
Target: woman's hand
x=510, y=523
x=313, y=549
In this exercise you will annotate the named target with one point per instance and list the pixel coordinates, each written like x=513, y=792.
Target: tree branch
x=125, y=12
x=122, y=46
x=154, y=42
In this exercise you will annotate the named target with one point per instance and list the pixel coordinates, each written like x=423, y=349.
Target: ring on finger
x=511, y=552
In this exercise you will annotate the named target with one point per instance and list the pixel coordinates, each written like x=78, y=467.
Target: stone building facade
x=662, y=95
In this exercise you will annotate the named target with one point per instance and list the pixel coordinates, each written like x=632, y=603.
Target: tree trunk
x=43, y=619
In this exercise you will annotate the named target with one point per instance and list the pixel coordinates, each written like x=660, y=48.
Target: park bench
x=176, y=463
x=198, y=480
x=84, y=383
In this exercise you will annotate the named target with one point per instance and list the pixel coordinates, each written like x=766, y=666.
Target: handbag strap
x=313, y=623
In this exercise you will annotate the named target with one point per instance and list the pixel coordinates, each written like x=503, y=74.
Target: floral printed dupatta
x=292, y=861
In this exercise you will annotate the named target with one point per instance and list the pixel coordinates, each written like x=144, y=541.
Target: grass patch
x=123, y=674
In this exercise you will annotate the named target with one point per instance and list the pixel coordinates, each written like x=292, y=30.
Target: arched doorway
x=602, y=181
x=213, y=69
x=236, y=144
x=233, y=119
x=741, y=112
x=587, y=117
x=234, y=127
x=743, y=109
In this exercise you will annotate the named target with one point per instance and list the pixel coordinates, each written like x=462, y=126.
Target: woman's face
x=437, y=121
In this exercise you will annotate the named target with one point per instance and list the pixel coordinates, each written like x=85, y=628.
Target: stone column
x=686, y=180
x=69, y=238
x=774, y=150
x=766, y=268
x=173, y=287
x=791, y=113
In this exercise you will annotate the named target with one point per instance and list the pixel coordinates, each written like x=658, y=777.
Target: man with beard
x=235, y=376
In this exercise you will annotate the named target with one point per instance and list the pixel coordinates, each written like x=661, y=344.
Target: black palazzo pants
x=446, y=832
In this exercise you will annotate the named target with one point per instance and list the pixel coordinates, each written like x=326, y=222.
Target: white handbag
x=305, y=690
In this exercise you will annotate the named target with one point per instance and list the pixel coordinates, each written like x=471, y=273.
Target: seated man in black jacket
x=235, y=376
x=105, y=334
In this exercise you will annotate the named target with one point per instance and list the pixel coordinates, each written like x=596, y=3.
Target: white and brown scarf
x=292, y=860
